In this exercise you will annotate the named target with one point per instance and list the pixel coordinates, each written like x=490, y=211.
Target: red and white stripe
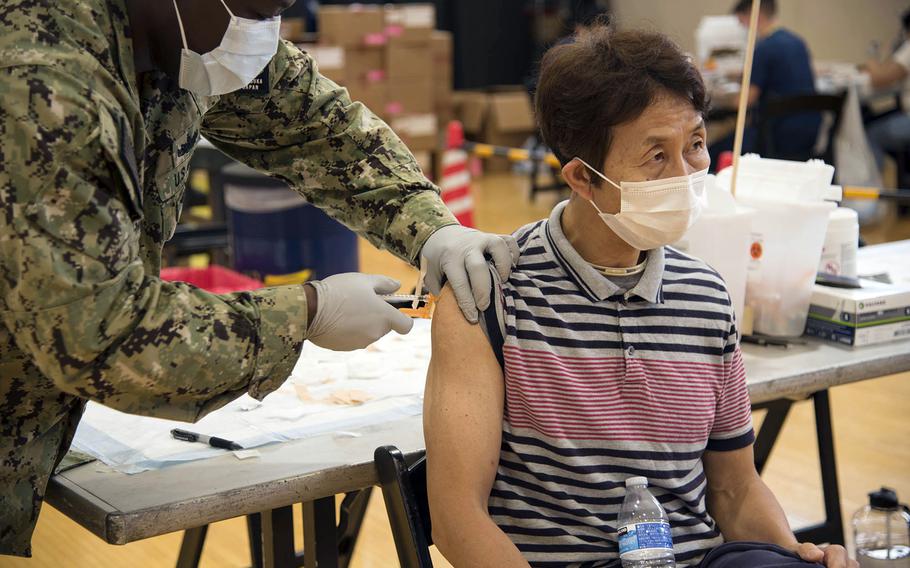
x=456, y=186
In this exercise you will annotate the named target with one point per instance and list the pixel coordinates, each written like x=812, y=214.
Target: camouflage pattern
x=92, y=171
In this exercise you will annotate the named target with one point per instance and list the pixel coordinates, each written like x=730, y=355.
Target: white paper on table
x=392, y=372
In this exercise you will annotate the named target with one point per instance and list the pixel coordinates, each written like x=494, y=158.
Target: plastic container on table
x=841, y=243
x=791, y=203
x=728, y=255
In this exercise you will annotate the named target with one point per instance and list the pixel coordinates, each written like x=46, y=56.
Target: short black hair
x=603, y=78
x=768, y=7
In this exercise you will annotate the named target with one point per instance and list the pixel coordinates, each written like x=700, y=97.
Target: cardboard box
x=408, y=61
x=471, y=109
x=443, y=77
x=293, y=29
x=372, y=95
x=330, y=60
x=442, y=50
x=356, y=25
x=509, y=122
x=410, y=97
x=876, y=313
x=409, y=23
x=365, y=64
x=419, y=132
x=503, y=117
x=510, y=113
x=445, y=113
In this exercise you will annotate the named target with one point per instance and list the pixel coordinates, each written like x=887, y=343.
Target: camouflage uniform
x=92, y=171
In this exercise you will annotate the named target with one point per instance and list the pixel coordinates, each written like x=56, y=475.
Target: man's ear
x=578, y=178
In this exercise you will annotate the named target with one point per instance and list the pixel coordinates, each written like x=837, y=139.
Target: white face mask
x=245, y=50
x=657, y=212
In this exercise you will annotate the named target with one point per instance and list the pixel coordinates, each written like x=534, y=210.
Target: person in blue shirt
x=781, y=67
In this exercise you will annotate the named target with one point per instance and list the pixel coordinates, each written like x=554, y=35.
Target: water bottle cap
x=884, y=498
x=637, y=482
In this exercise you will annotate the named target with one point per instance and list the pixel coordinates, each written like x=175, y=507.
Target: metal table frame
x=271, y=535
x=831, y=530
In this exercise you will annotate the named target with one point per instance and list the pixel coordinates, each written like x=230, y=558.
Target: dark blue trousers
x=753, y=555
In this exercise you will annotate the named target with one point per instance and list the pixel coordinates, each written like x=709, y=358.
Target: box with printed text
x=875, y=313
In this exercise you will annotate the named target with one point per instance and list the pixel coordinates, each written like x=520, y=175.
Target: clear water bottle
x=644, y=530
x=882, y=532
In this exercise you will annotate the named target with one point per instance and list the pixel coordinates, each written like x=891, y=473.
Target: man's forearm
x=473, y=539
x=751, y=512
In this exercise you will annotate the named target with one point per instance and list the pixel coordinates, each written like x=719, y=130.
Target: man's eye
x=658, y=157
x=698, y=145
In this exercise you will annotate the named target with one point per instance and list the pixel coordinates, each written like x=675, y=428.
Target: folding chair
x=404, y=489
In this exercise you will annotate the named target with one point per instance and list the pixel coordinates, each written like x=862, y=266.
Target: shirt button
x=630, y=351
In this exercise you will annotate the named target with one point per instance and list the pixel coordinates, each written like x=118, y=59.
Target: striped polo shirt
x=602, y=385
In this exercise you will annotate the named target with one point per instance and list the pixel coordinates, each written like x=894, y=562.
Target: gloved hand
x=351, y=315
x=457, y=254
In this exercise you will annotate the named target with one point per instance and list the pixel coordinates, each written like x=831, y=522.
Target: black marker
x=213, y=441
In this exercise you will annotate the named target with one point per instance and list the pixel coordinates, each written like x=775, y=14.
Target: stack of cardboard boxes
x=501, y=116
x=392, y=60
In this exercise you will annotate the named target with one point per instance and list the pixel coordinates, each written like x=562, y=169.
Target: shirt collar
x=592, y=282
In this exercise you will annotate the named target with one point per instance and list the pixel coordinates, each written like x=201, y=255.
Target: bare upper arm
x=730, y=470
x=887, y=74
x=463, y=409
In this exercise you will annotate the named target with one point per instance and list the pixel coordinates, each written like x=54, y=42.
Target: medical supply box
x=875, y=313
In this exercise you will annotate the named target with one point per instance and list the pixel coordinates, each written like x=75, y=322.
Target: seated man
x=781, y=67
x=619, y=355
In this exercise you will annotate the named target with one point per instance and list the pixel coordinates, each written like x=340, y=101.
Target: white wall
x=835, y=30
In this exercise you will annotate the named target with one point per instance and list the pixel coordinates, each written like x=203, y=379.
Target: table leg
x=191, y=548
x=770, y=430
x=320, y=546
x=832, y=529
x=353, y=509
x=278, y=538
x=254, y=530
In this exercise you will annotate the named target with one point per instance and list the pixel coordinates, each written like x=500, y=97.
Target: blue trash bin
x=275, y=231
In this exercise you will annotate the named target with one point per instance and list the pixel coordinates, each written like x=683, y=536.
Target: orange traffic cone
x=456, y=180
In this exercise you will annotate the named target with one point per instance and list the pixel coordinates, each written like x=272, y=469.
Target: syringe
x=413, y=305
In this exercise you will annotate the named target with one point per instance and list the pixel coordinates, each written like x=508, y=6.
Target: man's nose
x=679, y=167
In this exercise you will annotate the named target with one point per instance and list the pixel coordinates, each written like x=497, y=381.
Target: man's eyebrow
x=653, y=140
x=657, y=139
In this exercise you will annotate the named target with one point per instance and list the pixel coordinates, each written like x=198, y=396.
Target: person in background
x=890, y=133
x=781, y=67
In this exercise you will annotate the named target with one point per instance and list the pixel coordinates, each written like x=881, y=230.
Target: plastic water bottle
x=644, y=530
x=882, y=532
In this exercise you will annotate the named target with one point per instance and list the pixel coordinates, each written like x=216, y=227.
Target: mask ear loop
x=180, y=23
x=226, y=8
x=603, y=177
